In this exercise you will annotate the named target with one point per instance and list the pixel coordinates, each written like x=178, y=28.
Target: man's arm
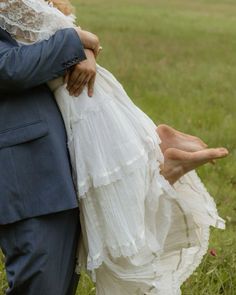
x=30, y=65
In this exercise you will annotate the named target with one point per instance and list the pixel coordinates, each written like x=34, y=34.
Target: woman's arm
x=26, y=66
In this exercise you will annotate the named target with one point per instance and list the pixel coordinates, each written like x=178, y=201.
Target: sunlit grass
x=177, y=60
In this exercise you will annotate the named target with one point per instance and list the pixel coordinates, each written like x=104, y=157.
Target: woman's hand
x=89, y=40
x=81, y=75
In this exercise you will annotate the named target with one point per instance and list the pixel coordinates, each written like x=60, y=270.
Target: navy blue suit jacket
x=35, y=172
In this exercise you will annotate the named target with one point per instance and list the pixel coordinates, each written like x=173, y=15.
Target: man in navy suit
x=39, y=222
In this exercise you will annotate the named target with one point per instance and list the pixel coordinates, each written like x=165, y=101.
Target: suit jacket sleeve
x=27, y=66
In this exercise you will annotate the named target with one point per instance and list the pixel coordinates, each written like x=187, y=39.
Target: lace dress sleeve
x=32, y=20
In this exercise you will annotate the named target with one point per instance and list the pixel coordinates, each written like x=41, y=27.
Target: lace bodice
x=32, y=20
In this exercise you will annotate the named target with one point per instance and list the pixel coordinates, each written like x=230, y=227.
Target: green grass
x=177, y=61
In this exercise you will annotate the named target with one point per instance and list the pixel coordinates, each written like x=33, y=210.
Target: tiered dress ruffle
x=140, y=234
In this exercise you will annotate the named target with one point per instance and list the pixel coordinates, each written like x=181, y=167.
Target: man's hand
x=81, y=75
x=89, y=40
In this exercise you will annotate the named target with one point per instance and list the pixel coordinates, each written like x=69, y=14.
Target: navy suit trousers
x=41, y=253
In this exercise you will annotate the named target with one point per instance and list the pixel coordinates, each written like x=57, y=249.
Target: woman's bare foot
x=172, y=138
x=178, y=162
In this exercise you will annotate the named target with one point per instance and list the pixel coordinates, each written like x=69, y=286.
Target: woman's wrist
x=89, y=41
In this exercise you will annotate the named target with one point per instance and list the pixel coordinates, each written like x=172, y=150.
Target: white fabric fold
x=140, y=234
x=31, y=20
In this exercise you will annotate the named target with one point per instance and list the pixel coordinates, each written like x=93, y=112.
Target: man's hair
x=64, y=6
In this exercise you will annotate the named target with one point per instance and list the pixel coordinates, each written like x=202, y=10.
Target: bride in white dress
x=141, y=234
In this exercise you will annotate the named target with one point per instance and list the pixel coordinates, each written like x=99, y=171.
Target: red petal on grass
x=213, y=252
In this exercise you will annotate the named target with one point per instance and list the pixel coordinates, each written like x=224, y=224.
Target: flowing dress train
x=140, y=234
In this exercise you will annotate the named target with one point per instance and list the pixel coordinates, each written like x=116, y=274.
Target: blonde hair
x=64, y=6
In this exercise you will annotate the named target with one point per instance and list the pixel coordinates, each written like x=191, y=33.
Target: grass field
x=177, y=60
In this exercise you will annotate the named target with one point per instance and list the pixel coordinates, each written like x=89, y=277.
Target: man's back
x=35, y=174
x=39, y=216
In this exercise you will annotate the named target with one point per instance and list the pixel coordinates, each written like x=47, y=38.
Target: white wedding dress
x=140, y=234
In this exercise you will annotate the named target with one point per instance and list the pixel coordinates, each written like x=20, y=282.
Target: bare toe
x=215, y=153
x=178, y=162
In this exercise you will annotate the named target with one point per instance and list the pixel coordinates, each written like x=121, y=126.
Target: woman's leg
x=178, y=162
x=172, y=138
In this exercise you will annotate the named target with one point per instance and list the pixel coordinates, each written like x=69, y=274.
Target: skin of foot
x=178, y=162
x=172, y=138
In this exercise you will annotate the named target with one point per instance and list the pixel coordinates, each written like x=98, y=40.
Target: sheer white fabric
x=32, y=20
x=140, y=234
